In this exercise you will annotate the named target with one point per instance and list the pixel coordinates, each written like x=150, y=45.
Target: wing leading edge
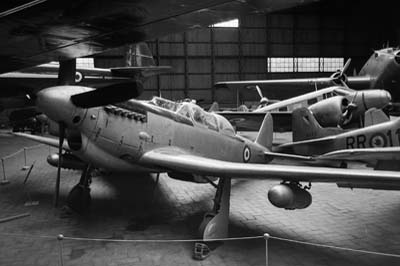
x=175, y=159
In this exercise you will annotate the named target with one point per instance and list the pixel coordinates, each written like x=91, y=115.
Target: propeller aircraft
x=377, y=144
x=180, y=139
x=381, y=71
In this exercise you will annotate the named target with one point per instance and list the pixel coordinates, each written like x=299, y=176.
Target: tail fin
x=139, y=55
x=265, y=135
x=214, y=107
x=374, y=116
x=305, y=126
x=139, y=63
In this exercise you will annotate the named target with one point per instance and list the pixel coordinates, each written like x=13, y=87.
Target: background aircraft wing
x=251, y=121
x=279, y=83
x=36, y=32
x=172, y=159
x=365, y=155
x=279, y=88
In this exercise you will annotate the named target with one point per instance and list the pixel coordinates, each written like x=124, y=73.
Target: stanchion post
x=25, y=167
x=266, y=237
x=60, y=238
x=4, y=181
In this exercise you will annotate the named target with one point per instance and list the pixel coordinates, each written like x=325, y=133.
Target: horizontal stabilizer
x=285, y=156
x=144, y=71
x=108, y=95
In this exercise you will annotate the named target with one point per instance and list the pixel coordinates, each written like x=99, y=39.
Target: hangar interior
x=303, y=42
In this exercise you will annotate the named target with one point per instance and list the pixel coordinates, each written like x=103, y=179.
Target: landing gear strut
x=79, y=197
x=215, y=223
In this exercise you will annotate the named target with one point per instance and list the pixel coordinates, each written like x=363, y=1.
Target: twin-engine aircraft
x=381, y=71
x=336, y=106
x=182, y=140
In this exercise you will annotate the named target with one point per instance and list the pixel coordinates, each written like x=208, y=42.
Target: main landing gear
x=215, y=223
x=79, y=197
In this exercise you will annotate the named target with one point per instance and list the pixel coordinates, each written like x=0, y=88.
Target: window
x=234, y=23
x=280, y=64
x=84, y=63
x=310, y=64
x=304, y=64
x=332, y=64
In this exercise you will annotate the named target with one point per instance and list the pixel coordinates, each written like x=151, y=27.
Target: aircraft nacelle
x=341, y=110
x=367, y=99
x=289, y=196
x=329, y=112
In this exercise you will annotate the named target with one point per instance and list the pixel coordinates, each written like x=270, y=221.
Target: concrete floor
x=123, y=207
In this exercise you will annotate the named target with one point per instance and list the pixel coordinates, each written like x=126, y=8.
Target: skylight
x=234, y=23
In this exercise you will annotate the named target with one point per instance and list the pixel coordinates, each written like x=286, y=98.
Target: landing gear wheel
x=207, y=218
x=215, y=223
x=79, y=199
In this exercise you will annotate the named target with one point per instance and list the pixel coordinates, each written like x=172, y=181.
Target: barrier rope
x=336, y=247
x=61, y=237
x=22, y=150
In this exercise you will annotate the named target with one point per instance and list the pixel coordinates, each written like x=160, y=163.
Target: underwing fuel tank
x=68, y=161
x=289, y=196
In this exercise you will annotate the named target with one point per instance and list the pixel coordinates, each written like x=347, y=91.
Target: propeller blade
x=345, y=67
x=259, y=92
x=60, y=146
x=108, y=95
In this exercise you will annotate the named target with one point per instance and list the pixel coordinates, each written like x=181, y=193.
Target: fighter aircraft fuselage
x=124, y=132
x=385, y=134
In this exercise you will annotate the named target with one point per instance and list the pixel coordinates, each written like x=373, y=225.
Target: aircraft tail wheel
x=79, y=198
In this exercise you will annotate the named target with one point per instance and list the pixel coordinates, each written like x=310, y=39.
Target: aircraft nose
x=56, y=104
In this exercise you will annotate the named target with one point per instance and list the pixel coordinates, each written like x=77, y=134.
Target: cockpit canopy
x=196, y=114
x=205, y=119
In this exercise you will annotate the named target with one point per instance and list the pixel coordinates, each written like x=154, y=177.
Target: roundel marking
x=78, y=77
x=377, y=140
x=246, y=154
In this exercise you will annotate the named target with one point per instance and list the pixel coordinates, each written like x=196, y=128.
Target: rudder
x=265, y=134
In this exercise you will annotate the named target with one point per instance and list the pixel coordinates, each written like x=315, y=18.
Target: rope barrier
x=266, y=237
x=163, y=240
x=335, y=247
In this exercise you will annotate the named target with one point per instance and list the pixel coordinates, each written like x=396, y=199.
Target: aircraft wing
x=40, y=31
x=303, y=84
x=45, y=140
x=172, y=159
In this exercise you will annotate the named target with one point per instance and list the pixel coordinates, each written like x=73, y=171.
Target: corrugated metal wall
x=204, y=56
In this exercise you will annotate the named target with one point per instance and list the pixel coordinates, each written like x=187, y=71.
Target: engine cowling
x=330, y=112
x=289, y=196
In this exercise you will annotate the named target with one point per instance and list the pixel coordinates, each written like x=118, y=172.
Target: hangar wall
x=202, y=57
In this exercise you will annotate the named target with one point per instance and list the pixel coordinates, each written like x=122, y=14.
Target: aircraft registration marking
x=375, y=140
x=246, y=154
